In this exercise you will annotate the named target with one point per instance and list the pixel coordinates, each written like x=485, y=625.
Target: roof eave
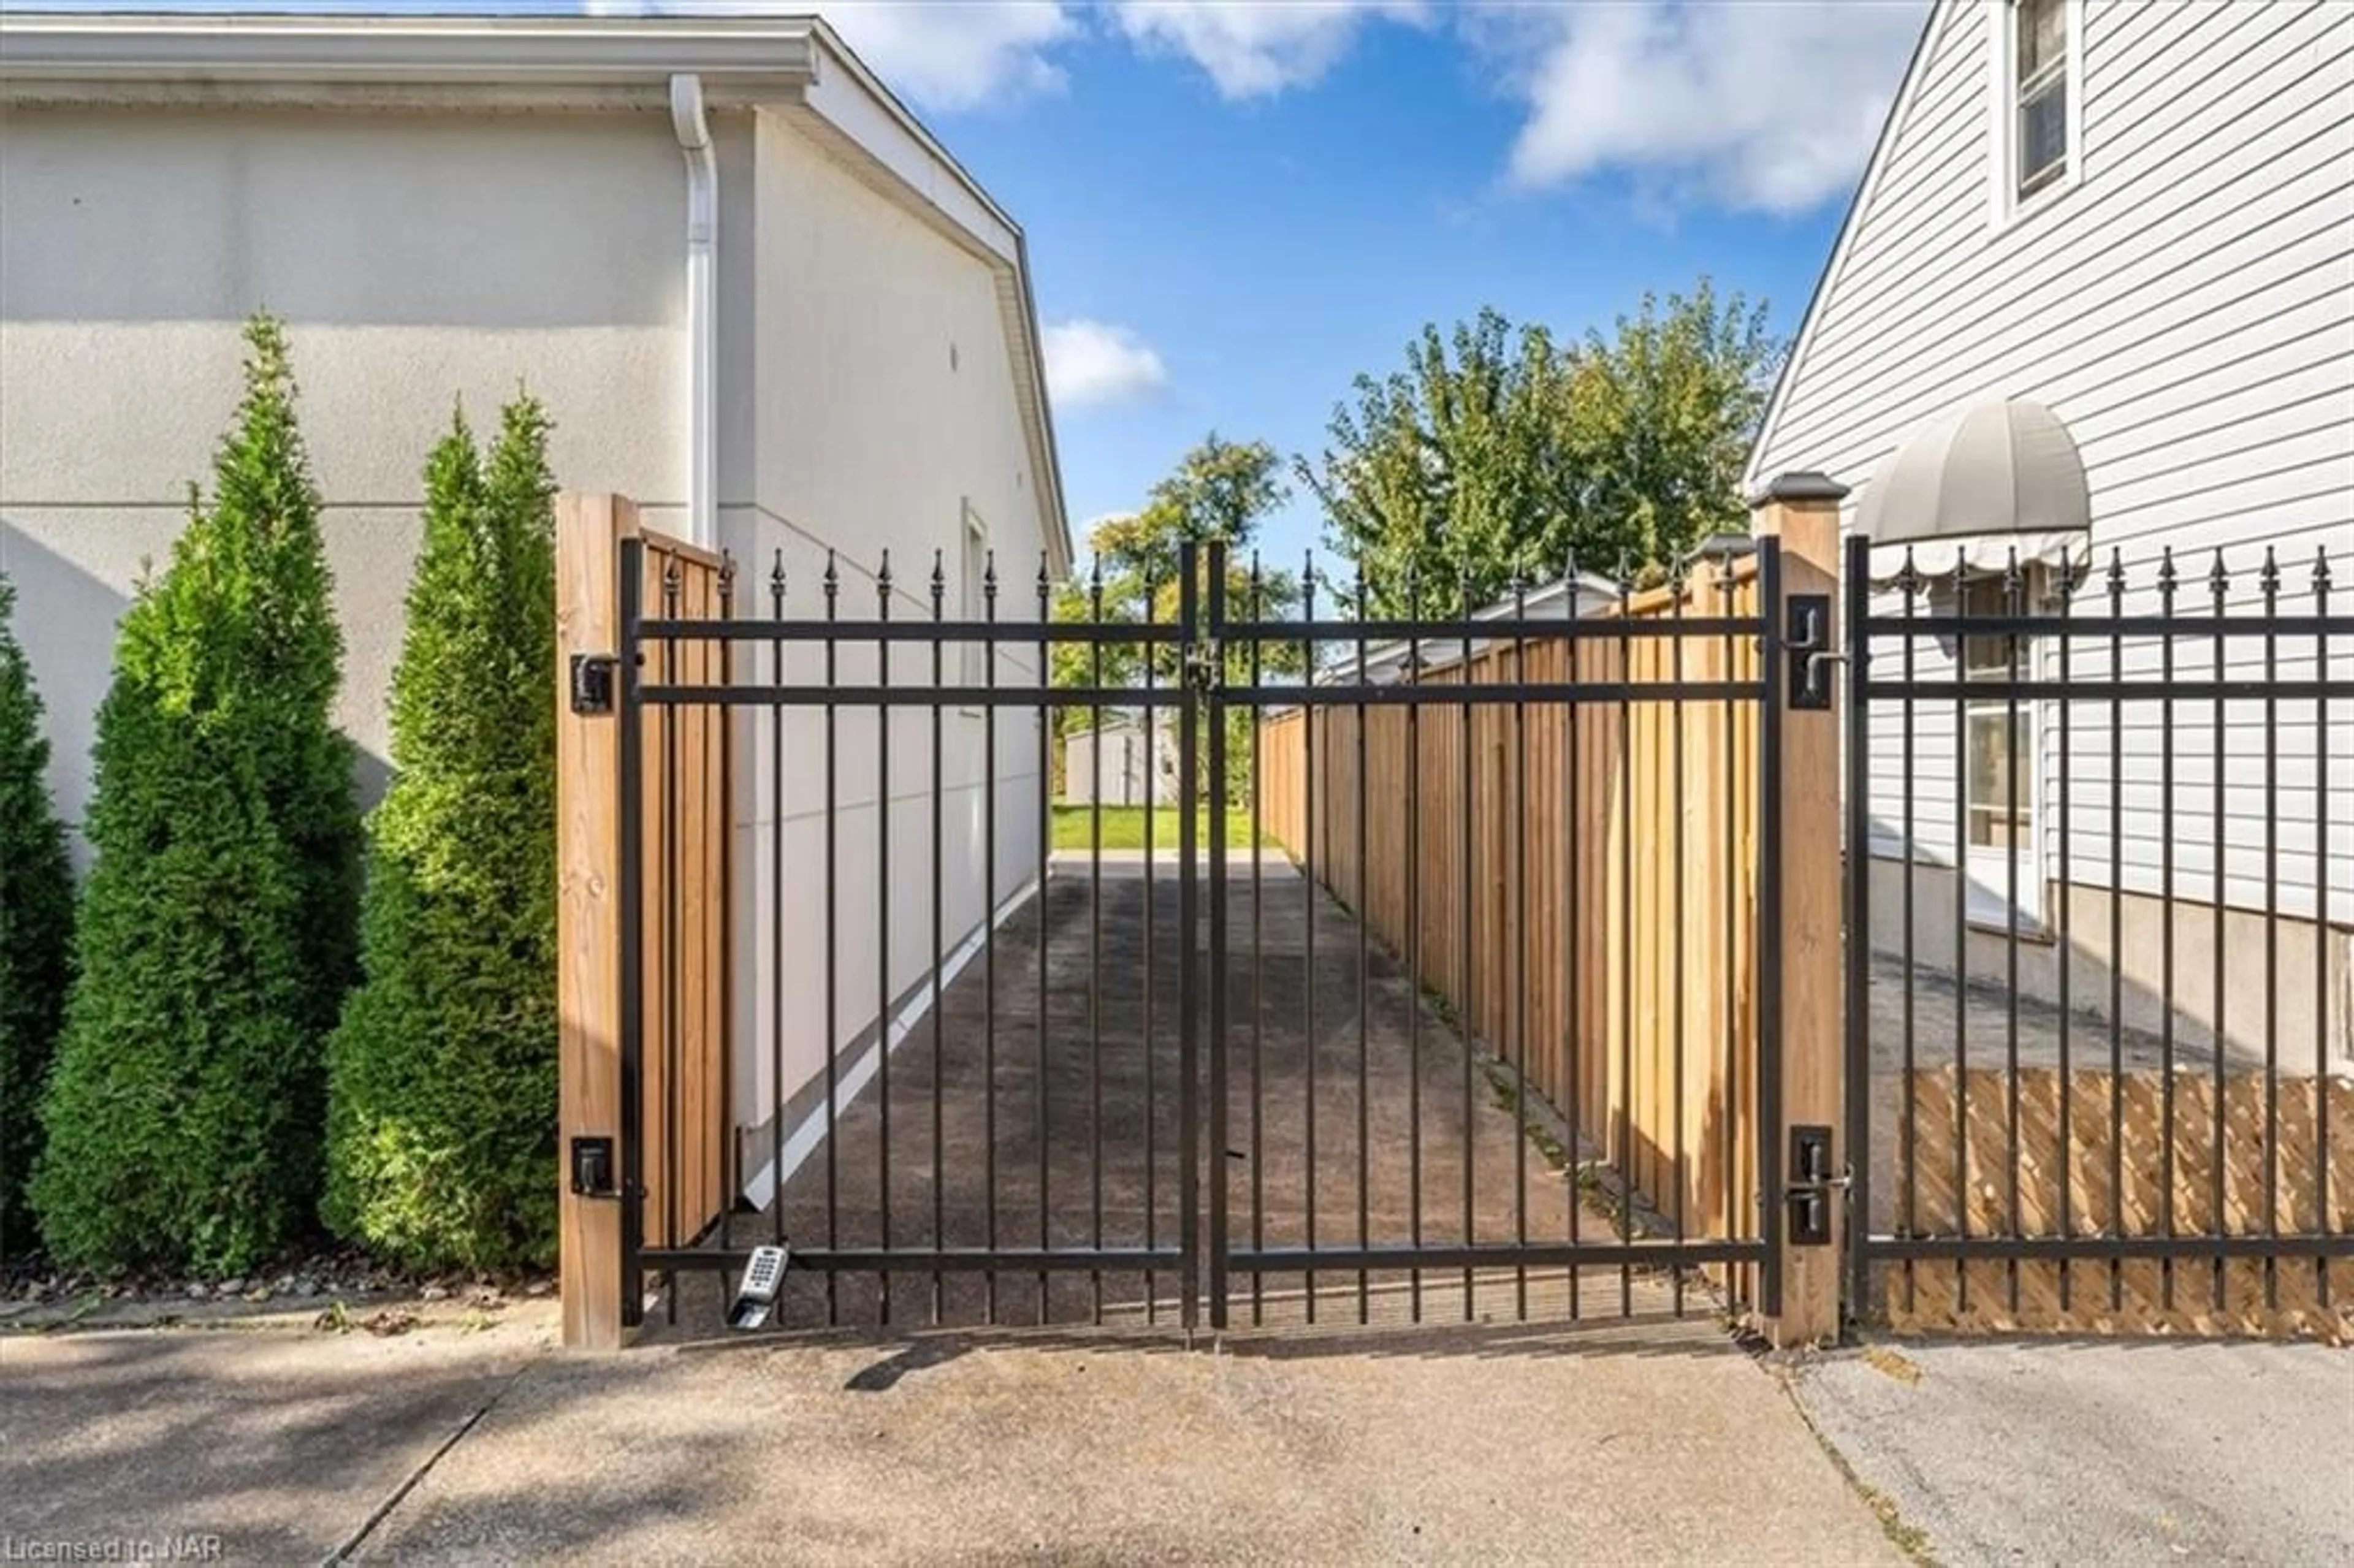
x=535, y=62
x=740, y=55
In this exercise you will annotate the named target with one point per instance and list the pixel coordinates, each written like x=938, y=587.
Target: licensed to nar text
x=168, y=1547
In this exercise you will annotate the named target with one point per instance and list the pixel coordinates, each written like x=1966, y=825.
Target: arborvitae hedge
x=442, y=1097
x=264, y=502
x=35, y=929
x=184, y=1115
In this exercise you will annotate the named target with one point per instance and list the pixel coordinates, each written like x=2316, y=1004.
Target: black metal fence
x=2099, y=873
x=1097, y=1083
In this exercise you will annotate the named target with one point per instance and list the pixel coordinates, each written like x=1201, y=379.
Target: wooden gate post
x=588, y=532
x=1801, y=510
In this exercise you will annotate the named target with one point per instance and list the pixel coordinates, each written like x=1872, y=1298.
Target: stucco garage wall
x=886, y=415
x=417, y=258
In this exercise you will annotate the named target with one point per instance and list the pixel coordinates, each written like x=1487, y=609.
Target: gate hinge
x=1205, y=665
x=1812, y=1182
x=592, y=683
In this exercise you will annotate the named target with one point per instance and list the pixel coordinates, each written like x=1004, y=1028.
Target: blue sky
x=1233, y=207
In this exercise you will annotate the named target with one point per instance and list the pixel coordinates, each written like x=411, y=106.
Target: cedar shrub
x=442, y=1086
x=35, y=928
x=215, y=934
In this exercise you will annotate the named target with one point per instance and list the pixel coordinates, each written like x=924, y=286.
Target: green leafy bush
x=35, y=927
x=215, y=938
x=441, y=1148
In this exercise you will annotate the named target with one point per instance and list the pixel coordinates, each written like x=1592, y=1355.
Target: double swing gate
x=1442, y=979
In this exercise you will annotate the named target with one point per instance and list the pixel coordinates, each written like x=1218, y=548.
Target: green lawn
x=1123, y=828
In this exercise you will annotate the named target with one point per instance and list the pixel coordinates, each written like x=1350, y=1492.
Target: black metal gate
x=995, y=1062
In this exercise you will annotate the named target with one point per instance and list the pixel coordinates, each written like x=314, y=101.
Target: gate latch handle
x=1807, y=642
x=1205, y=664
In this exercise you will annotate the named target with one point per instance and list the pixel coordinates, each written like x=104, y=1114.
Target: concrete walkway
x=1624, y=1443
x=2115, y=1452
x=282, y=1443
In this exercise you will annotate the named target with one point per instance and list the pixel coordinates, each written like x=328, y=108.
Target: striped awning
x=1977, y=490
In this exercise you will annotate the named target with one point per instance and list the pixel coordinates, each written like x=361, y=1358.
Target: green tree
x=36, y=926
x=264, y=501
x=183, y=1115
x=1453, y=467
x=442, y=1077
x=1496, y=453
x=1661, y=417
x=1221, y=490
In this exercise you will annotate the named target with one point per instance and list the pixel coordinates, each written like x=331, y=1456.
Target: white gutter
x=741, y=58
x=692, y=129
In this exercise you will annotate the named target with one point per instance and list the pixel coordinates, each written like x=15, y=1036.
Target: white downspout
x=693, y=134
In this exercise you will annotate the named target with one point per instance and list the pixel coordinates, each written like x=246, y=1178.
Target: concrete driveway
x=1637, y=1444
x=1039, y=1106
x=1649, y=1441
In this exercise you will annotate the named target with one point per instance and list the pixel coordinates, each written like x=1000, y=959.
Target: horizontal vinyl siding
x=2187, y=309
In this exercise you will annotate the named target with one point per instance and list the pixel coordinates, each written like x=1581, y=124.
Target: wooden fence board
x=1636, y=877
x=682, y=925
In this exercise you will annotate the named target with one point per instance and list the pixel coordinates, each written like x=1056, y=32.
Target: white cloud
x=1253, y=50
x=959, y=56
x=939, y=55
x=1091, y=363
x=1771, y=108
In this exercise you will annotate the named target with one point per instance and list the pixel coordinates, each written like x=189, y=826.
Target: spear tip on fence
x=1909, y=581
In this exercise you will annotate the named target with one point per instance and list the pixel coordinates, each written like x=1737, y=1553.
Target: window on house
x=973, y=594
x=2039, y=46
x=1997, y=796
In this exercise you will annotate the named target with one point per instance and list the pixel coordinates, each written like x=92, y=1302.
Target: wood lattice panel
x=1940, y=1296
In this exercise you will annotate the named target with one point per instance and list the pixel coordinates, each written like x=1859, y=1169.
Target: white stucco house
x=2116, y=241
x=754, y=292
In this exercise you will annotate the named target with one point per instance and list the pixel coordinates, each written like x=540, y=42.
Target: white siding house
x=753, y=293
x=2141, y=218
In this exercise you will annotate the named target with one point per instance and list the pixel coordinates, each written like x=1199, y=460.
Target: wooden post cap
x=1796, y=488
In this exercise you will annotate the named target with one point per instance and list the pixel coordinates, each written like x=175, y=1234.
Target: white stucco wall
x=417, y=258
x=884, y=397
x=866, y=400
